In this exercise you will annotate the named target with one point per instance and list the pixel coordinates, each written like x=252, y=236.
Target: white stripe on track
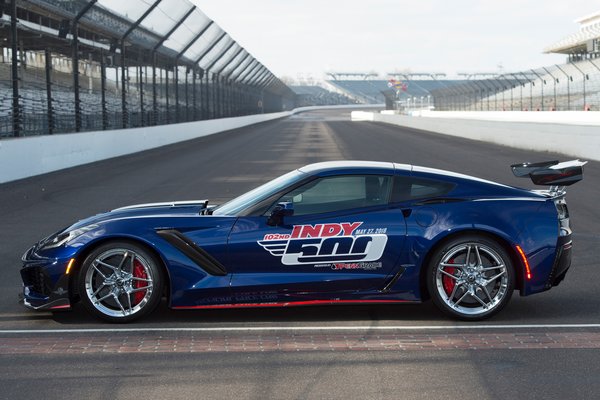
x=306, y=328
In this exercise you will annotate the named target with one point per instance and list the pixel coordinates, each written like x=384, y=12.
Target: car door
x=342, y=238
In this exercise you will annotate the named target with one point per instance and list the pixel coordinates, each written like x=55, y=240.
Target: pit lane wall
x=30, y=156
x=573, y=133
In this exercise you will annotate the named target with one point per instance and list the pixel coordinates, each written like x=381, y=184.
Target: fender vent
x=193, y=251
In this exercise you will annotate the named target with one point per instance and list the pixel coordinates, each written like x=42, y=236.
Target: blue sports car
x=343, y=232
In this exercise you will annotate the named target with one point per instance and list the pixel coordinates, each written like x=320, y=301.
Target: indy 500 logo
x=326, y=243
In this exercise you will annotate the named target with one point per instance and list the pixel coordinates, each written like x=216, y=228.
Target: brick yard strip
x=306, y=328
x=368, y=340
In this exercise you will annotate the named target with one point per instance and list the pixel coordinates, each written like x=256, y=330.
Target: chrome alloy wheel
x=472, y=279
x=119, y=282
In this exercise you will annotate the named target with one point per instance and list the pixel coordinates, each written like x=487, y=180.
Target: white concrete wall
x=549, y=117
x=576, y=135
x=29, y=156
x=343, y=106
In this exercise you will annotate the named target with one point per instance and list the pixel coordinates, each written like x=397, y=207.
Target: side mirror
x=285, y=209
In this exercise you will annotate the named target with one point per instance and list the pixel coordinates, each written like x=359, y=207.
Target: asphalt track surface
x=543, y=346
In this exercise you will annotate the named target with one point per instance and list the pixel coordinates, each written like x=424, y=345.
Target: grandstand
x=81, y=65
x=584, y=44
x=312, y=95
x=371, y=89
x=363, y=88
x=572, y=86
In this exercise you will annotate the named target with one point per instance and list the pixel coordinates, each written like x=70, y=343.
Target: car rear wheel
x=120, y=282
x=471, y=278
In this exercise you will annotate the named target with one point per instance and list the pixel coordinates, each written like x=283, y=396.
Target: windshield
x=262, y=192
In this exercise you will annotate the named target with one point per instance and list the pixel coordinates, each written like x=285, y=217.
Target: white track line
x=305, y=328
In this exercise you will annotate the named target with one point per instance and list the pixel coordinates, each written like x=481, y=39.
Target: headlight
x=65, y=237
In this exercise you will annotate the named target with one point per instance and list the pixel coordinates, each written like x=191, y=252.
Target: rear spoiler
x=551, y=173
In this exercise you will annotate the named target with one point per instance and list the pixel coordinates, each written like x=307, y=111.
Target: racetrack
x=221, y=166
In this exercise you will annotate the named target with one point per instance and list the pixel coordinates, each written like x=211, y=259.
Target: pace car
x=346, y=232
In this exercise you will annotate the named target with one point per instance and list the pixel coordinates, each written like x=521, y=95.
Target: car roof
x=353, y=164
x=332, y=166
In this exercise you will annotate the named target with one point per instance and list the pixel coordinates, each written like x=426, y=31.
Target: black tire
x=473, y=290
x=120, y=282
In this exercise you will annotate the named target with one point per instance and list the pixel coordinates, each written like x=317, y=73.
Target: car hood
x=178, y=208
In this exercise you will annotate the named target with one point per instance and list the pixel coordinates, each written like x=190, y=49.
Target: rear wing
x=551, y=173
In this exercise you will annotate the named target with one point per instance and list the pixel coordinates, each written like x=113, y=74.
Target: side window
x=407, y=188
x=338, y=193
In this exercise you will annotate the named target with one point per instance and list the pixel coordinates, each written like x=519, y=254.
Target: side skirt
x=293, y=304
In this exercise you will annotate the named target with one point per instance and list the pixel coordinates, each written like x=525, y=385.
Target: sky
x=308, y=38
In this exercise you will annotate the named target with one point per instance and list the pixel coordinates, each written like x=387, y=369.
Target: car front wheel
x=120, y=282
x=471, y=278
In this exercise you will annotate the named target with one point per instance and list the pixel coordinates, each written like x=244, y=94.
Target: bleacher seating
x=34, y=105
x=131, y=38
x=365, y=91
x=371, y=91
x=311, y=95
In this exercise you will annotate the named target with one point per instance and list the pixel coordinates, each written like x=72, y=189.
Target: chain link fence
x=574, y=86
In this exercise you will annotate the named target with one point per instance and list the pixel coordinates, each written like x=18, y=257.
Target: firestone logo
x=325, y=243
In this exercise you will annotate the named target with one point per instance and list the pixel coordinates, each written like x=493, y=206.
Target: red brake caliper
x=448, y=282
x=139, y=272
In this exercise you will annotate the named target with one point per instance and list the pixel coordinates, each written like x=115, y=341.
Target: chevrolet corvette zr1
x=329, y=233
